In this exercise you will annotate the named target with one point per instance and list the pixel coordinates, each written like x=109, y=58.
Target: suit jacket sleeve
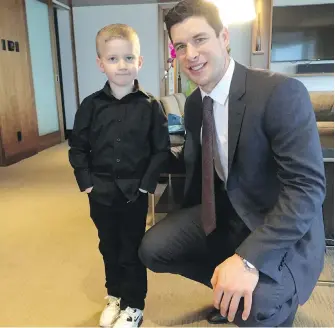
x=160, y=148
x=80, y=147
x=292, y=131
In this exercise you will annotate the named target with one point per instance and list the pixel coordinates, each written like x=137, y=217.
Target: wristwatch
x=248, y=265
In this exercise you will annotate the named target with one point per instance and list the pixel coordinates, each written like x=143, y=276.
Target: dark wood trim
x=68, y=135
x=19, y=157
x=56, y=68
x=59, y=62
x=49, y=140
x=74, y=56
x=2, y=151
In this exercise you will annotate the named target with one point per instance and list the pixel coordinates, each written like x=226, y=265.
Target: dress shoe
x=214, y=317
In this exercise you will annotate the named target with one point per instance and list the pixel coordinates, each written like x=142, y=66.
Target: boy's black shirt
x=119, y=142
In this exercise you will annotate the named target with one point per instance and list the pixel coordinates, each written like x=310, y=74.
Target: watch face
x=249, y=265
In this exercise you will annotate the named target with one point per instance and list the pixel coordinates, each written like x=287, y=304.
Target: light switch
x=11, y=45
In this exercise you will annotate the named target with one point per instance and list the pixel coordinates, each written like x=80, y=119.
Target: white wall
x=240, y=42
x=66, y=57
x=89, y=20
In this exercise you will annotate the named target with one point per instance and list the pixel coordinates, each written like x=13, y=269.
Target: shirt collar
x=136, y=90
x=221, y=90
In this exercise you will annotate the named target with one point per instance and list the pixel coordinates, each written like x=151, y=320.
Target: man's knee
x=149, y=251
x=145, y=253
x=269, y=309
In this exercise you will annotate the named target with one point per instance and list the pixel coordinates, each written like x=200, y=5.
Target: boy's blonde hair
x=117, y=31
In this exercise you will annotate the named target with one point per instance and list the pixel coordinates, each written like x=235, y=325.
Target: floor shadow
x=91, y=322
x=192, y=317
x=93, y=285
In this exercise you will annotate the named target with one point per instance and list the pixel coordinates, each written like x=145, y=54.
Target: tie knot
x=208, y=103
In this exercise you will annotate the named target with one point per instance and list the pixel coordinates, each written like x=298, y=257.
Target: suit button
x=118, y=160
x=119, y=120
x=281, y=265
x=118, y=139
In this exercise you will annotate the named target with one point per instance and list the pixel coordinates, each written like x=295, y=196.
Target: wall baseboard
x=68, y=134
x=49, y=140
x=18, y=157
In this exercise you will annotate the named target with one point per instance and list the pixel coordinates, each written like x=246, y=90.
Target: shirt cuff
x=144, y=191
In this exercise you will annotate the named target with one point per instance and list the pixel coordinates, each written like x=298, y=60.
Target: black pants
x=177, y=244
x=121, y=228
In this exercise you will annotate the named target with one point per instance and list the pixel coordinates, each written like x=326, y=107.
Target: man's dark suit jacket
x=276, y=179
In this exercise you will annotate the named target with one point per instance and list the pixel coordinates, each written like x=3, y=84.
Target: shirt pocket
x=139, y=118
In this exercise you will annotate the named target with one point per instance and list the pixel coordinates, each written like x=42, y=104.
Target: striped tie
x=208, y=216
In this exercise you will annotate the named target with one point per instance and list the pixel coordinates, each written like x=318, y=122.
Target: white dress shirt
x=220, y=111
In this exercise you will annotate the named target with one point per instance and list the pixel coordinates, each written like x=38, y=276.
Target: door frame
x=59, y=5
x=56, y=69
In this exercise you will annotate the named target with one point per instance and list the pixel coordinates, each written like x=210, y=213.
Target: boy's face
x=120, y=61
x=202, y=55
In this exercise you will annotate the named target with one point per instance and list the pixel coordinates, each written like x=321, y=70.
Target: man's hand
x=88, y=190
x=231, y=281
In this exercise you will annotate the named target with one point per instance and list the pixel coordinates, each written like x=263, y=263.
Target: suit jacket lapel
x=236, y=108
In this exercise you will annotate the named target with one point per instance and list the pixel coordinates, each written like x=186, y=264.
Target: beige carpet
x=51, y=272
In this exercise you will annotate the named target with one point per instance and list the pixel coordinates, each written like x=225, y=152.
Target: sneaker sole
x=139, y=324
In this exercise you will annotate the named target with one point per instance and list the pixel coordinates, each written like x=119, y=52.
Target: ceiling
x=82, y=3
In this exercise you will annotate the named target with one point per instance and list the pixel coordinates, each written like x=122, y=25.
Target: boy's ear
x=100, y=65
x=140, y=62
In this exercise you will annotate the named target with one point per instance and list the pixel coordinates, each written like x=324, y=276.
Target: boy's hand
x=88, y=190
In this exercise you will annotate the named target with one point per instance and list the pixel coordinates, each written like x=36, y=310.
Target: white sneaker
x=129, y=318
x=111, y=312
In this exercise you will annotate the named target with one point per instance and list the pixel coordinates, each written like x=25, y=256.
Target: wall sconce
x=235, y=11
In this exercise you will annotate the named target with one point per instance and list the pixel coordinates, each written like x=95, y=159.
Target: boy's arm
x=160, y=148
x=80, y=147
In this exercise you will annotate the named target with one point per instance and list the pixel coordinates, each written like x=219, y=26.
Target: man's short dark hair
x=189, y=8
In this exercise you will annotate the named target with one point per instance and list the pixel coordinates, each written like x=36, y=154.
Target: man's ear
x=100, y=65
x=140, y=62
x=224, y=37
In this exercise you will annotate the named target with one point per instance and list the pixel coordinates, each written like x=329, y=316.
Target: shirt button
x=119, y=120
x=118, y=160
x=118, y=139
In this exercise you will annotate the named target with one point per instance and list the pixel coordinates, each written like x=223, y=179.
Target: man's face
x=202, y=55
x=120, y=61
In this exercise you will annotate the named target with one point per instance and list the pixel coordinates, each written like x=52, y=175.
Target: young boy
x=119, y=145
